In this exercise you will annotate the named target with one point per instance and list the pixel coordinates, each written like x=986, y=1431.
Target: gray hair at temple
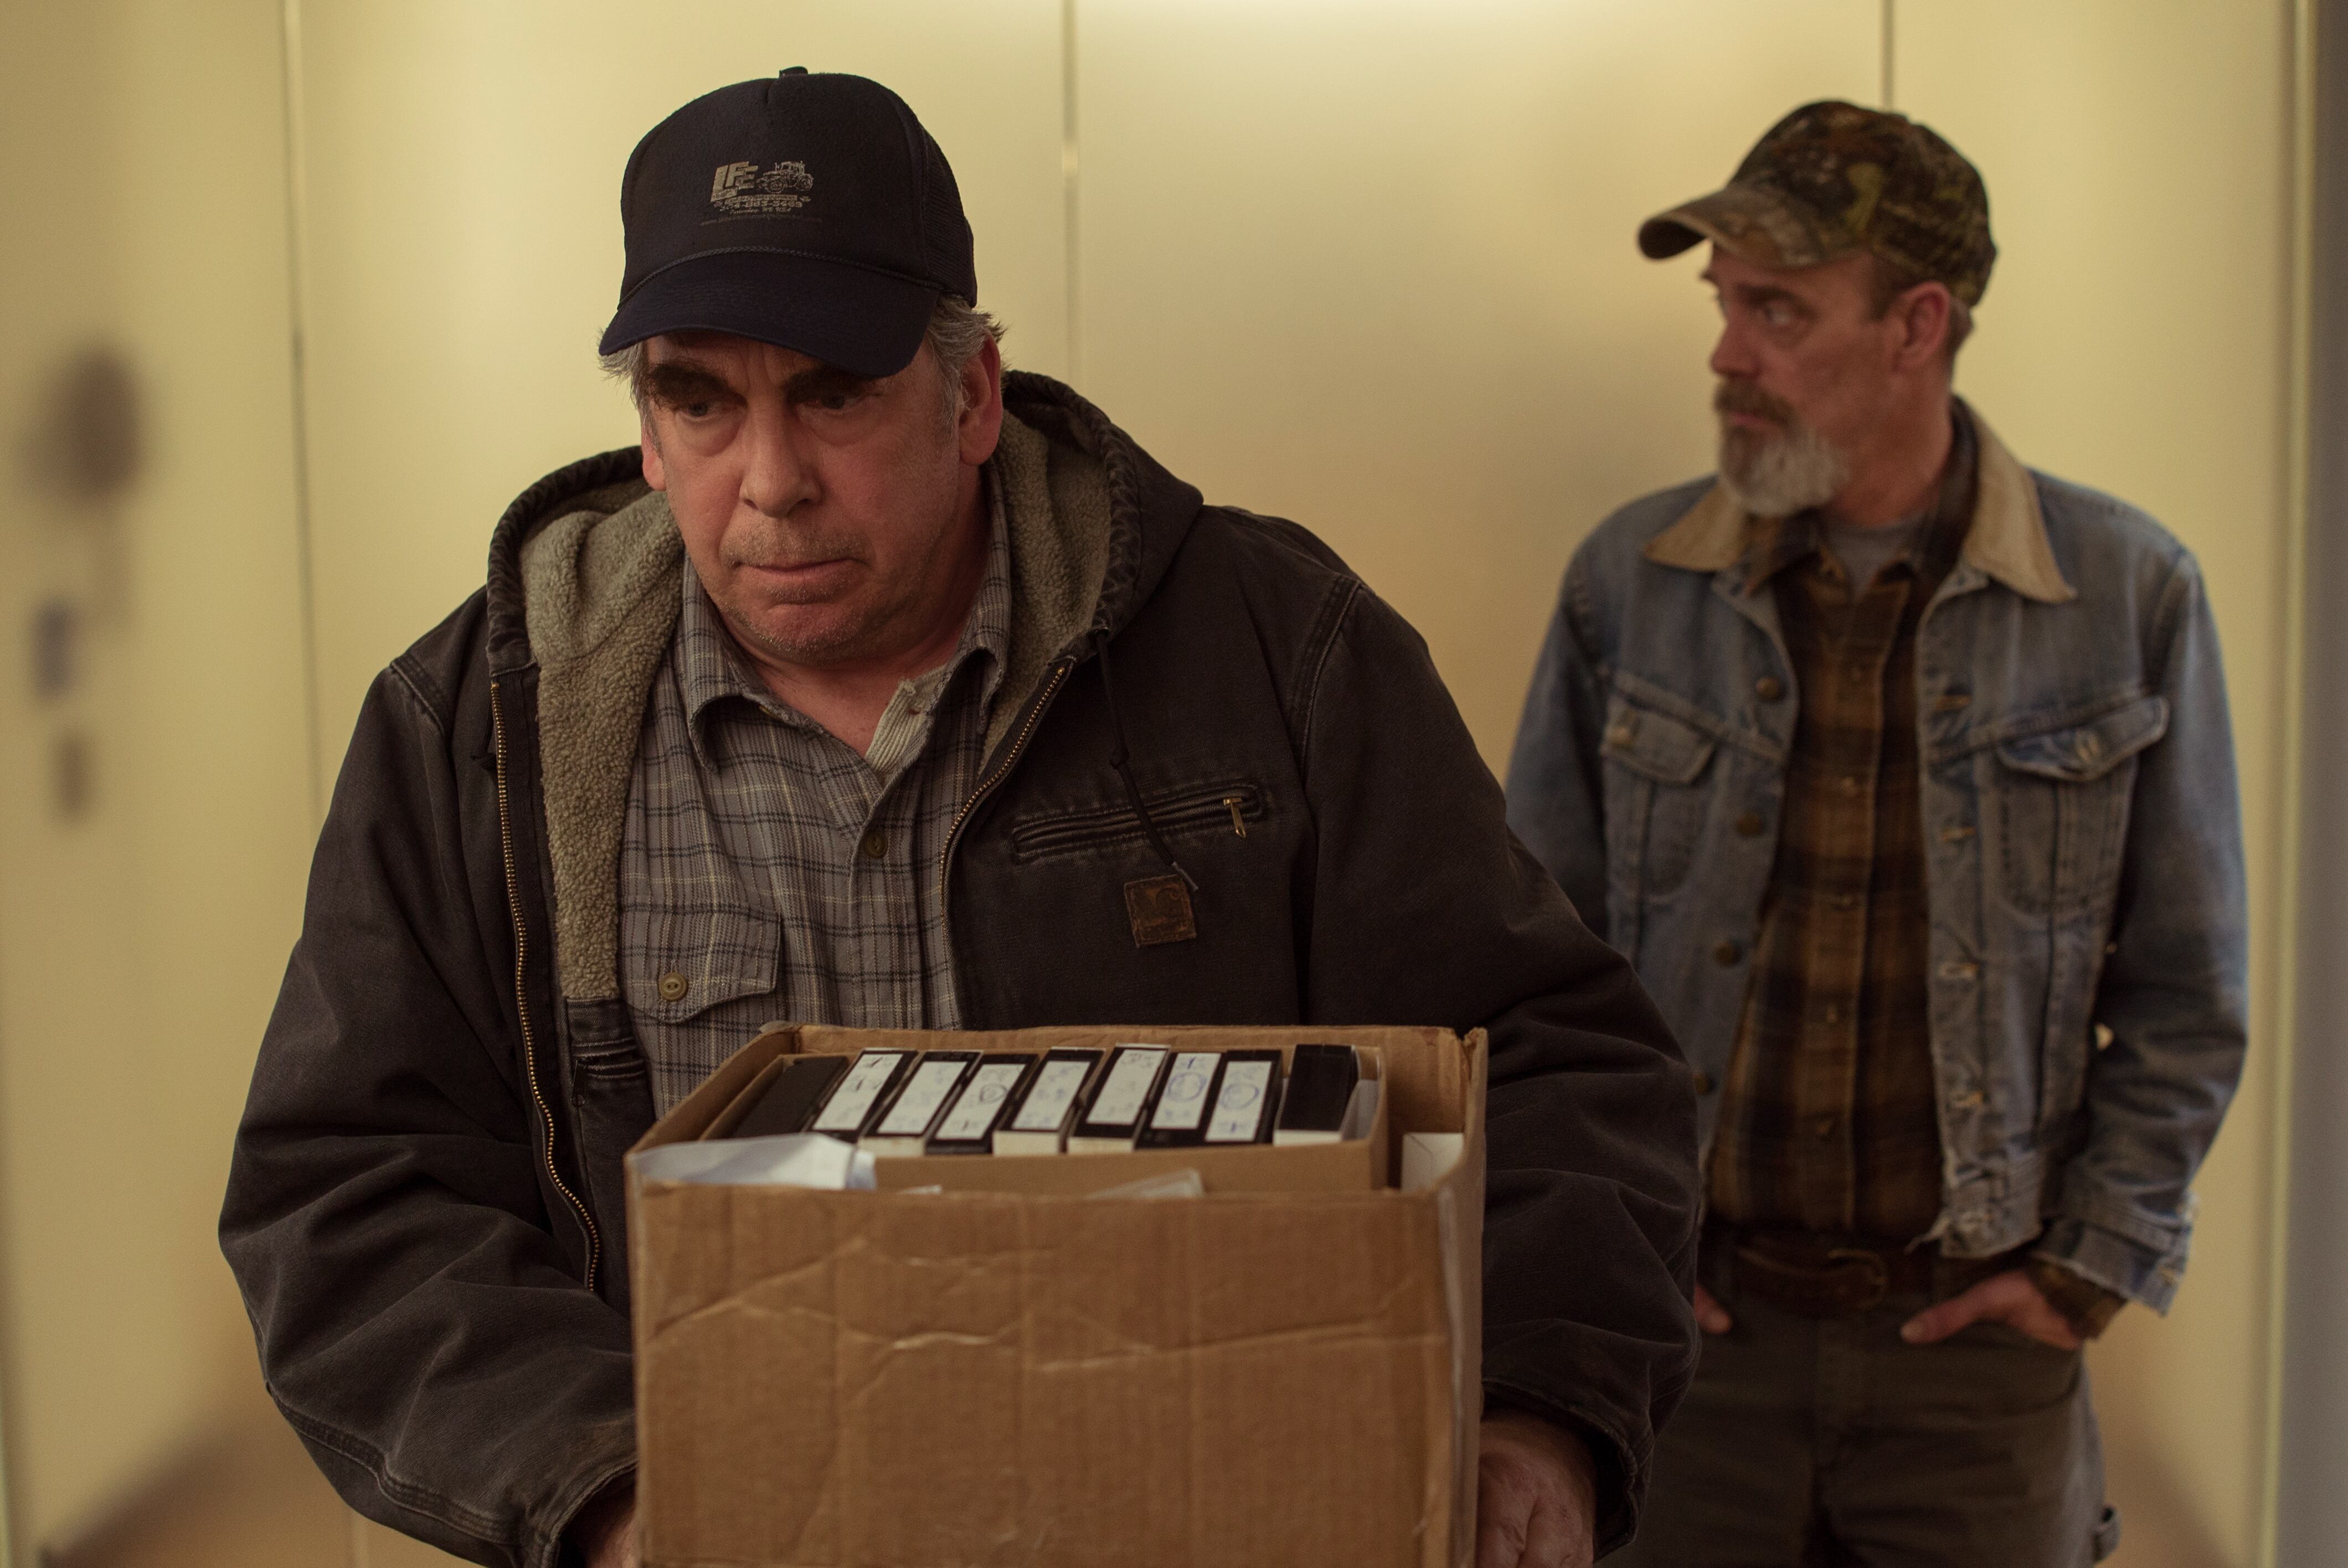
x=957, y=330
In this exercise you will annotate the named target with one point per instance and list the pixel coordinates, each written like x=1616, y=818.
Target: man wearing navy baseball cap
x=879, y=687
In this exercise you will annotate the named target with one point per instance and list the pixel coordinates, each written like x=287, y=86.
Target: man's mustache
x=1746, y=397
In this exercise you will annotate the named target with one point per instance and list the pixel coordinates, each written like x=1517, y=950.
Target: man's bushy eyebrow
x=1753, y=294
x=824, y=381
x=677, y=382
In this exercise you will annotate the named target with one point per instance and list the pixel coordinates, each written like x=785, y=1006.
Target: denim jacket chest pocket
x=2063, y=795
x=1655, y=799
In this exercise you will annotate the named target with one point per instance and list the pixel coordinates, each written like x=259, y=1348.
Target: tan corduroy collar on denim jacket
x=2007, y=540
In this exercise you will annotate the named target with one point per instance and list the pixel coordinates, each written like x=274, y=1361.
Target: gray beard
x=1778, y=475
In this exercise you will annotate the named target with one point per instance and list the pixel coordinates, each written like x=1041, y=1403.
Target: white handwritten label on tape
x=852, y=1101
x=1047, y=1103
x=1239, y=1109
x=931, y=1083
x=975, y=1109
x=1121, y=1096
x=1182, y=1103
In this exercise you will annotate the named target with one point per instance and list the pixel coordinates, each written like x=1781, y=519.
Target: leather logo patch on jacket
x=1160, y=909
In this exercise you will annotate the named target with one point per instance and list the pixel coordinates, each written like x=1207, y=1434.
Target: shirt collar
x=711, y=668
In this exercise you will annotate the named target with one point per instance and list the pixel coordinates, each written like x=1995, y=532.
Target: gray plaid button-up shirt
x=767, y=871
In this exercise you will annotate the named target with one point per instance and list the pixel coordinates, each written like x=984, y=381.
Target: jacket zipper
x=986, y=785
x=1236, y=803
x=521, y=997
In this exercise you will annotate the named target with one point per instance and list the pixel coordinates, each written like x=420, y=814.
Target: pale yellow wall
x=2133, y=338
x=140, y=948
x=1370, y=266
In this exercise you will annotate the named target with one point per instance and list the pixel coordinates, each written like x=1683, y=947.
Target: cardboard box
x=1034, y=1377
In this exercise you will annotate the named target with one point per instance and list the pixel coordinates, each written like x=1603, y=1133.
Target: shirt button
x=1768, y=688
x=1832, y=1013
x=876, y=845
x=1825, y=1127
x=1620, y=734
x=672, y=987
x=1749, y=824
x=1845, y=901
x=1703, y=1082
x=1848, y=784
x=1727, y=953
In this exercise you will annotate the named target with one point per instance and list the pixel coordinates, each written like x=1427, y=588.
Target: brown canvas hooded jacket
x=425, y=1208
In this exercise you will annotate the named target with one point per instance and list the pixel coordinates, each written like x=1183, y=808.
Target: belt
x=1829, y=1277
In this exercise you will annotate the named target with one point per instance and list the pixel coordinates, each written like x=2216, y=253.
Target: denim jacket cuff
x=2119, y=1264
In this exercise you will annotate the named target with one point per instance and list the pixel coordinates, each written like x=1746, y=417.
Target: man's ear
x=1925, y=313
x=980, y=425
x=655, y=471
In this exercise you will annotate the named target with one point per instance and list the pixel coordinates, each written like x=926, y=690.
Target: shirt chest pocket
x=678, y=962
x=1655, y=797
x=2063, y=796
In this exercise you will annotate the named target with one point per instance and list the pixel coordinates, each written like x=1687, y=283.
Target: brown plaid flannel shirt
x=1829, y=1121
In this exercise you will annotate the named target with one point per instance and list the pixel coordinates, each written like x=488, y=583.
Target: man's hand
x=1536, y=1496
x=605, y=1530
x=2012, y=1298
x=1710, y=1315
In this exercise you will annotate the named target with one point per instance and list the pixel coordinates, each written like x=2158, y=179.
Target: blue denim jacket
x=2089, y=958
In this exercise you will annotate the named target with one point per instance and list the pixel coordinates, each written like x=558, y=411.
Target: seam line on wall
x=1884, y=65
x=1071, y=324
x=297, y=306
x=2298, y=492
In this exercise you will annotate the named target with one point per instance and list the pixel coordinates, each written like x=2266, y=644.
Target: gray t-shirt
x=1863, y=552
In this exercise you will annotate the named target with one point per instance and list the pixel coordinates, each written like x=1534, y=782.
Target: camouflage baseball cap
x=1833, y=178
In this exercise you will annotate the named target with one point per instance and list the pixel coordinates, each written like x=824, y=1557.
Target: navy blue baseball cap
x=811, y=211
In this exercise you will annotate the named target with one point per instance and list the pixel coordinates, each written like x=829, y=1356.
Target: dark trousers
x=1814, y=1441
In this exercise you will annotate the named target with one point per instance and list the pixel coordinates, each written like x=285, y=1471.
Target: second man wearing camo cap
x=1902, y=773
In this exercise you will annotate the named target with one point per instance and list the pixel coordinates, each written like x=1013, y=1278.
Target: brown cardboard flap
x=860, y=1379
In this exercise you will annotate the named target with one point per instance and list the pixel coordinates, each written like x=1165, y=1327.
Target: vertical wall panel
x=1370, y=266
x=2132, y=338
x=464, y=251
x=2311, y=1506
x=142, y=938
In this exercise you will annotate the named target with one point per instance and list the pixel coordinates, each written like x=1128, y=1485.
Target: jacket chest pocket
x=1227, y=810
x=2062, y=798
x=1655, y=801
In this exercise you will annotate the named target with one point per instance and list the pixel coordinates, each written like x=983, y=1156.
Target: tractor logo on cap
x=745, y=190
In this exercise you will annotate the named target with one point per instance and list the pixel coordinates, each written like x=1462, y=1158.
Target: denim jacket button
x=1727, y=953
x=1768, y=688
x=1749, y=824
x=1703, y=1082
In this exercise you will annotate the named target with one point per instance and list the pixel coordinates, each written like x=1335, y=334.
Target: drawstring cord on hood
x=1117, y=760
